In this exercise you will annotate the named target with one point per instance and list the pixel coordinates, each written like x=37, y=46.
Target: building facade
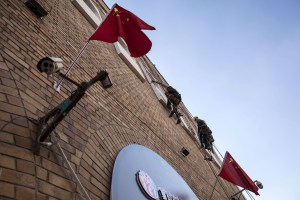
x=104, y=121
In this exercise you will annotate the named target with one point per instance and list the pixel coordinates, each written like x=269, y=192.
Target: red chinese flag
x=122, y=23
x=232, y=172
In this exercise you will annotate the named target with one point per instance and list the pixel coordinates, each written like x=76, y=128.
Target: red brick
x=30, y=114
x=31, y=108
x=14, y=151
x=90, y=187
x=9, y=90
x=16, y=56
x=14, y=45
x=50, y=166
x=14, y=101
x=12, y=64
x=41, y=173
x=53, y=191
x=38, y=97
x=22, y=121
x=84, y=173
x=8, y=82
x=41, y=197
x=23, y=193
x=3, y=66
x=40, y=80
x=79, y=197
x=17, y=130
x=17, y=78
x=3, y=97
x=67, y=147
x=61, y=182
x=7, y=190
x=7, y=162
x=25, y=166
x=32, y=101
x=75, y=159
x=6, y=137
x=19, y=178
x=5, y=74
x=23, y=142
x=87, y=159
x=12, y=109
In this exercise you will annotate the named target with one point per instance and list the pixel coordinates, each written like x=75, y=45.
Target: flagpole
x=214, y=188
x=218, y=180
x=80, y=52
x=73, y=63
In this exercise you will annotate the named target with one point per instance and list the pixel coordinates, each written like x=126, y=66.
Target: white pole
x=57, y=86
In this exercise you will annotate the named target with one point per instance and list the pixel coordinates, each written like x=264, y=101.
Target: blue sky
x=237, y=65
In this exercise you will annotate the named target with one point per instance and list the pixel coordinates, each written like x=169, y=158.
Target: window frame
x=129, y=61
x=89, y=11
x=160, y=94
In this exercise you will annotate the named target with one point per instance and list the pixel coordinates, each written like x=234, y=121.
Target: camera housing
x=50, y=65
x=259, y=184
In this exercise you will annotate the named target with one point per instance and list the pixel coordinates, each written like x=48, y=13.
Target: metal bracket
x=57, y=86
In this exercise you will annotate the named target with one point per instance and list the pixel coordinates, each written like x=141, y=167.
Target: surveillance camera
x=259, y=184
x=50, y=65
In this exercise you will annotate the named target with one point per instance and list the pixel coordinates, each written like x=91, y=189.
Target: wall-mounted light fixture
x=106, y=82
x=36, y=8
x=184, y=152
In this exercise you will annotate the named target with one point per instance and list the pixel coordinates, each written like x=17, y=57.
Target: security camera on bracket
x=51, y=65
x=49, y=121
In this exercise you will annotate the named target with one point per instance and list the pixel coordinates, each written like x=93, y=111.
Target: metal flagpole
x=57, y=86
x=214, y=188
x=218, y=180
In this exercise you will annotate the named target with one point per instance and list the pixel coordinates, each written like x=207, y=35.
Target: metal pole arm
x=70, y=80
x=99, y=77
x=60, y=111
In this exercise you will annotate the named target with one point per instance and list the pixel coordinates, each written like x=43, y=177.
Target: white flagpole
x=58, y=84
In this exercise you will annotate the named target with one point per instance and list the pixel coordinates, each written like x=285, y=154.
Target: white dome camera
x=50, y=65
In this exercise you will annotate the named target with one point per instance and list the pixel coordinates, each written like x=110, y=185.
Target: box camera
x=50, y=65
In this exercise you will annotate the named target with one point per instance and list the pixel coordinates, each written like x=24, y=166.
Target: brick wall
x=101, y=124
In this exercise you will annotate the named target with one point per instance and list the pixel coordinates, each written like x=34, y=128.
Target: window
x=156, y=88
x=122, y=51
x=89, y=11
x=184, y=125
x=188, y=128
x=123, y=44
